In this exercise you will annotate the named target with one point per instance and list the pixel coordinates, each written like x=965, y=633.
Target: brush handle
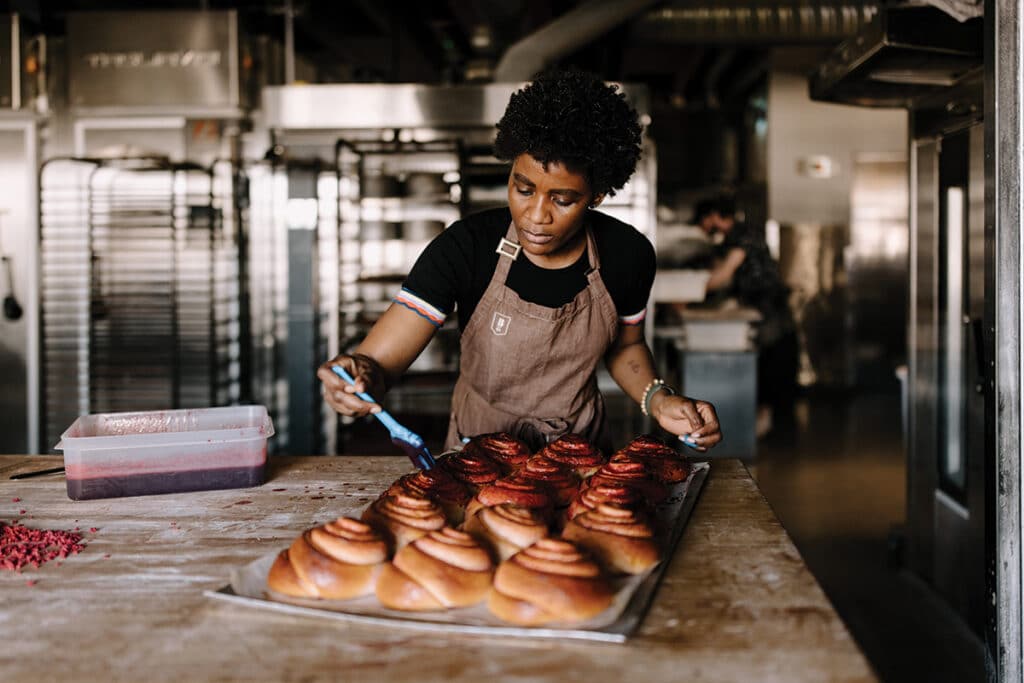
x=384, y=416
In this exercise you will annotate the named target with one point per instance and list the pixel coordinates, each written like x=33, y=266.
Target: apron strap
x=592, y=256
x=508, y=247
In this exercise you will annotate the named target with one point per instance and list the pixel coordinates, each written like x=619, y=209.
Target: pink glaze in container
x=110, y=455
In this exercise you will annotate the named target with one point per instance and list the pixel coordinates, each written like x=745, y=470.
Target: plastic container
x=111, y=455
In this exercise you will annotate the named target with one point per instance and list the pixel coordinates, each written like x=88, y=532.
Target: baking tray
x=632, y=598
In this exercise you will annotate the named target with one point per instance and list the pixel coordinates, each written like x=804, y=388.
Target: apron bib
x=531, y=370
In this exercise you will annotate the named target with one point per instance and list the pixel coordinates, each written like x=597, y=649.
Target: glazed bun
x=557, y=478
x=551, y=581
x=506, y=450
x=664, y=462
x=576, y=452
x=617, y=494
x=506, y=528
x=629, y=470
x=336, y=561
x=441, y=570
x=472, y=469
x=403, y=518
x=440, y=487
x=621, y=540
x=516, y=489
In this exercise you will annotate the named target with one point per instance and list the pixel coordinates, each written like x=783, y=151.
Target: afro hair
x=574, y=118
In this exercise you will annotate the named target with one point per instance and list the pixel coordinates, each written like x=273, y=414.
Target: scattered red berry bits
x=21, y=546
x=93, y=529
x=15, y=500
x=30, y=583
x=21, y=512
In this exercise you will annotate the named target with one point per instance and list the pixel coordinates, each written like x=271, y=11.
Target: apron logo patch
x=500, y=323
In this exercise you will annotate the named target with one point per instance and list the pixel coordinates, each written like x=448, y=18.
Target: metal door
x=946, y=511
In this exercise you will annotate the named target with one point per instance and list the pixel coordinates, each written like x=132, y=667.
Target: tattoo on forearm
x=635, y=367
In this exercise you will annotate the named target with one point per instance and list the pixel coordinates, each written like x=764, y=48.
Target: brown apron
x=531, y=370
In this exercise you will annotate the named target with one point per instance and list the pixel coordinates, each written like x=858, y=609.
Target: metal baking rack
x=140, y=287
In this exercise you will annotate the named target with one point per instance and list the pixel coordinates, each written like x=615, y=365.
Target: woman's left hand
x=680, y=415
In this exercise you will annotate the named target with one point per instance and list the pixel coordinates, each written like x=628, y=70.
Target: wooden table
x=737, y=602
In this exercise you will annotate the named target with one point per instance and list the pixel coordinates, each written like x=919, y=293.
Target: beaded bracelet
x=653, y=387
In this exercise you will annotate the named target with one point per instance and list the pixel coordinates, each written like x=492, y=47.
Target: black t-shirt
x=454, y=270
x=757, y=282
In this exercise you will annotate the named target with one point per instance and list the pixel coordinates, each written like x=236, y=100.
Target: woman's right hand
x=341, y=396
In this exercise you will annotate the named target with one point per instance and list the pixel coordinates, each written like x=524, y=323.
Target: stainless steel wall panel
x=153, y=59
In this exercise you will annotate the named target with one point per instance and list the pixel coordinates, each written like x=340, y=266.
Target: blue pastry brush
x=688, y=440
x=401, y=436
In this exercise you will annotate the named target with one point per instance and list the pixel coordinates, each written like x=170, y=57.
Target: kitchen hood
x=903, y=54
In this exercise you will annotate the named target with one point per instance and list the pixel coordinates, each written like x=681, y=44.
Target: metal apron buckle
x=510, y=249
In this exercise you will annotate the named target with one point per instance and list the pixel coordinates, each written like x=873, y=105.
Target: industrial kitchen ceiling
x=675, y=47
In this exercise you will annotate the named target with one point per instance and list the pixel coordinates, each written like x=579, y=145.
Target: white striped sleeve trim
x=634, y=319
x=419, y=306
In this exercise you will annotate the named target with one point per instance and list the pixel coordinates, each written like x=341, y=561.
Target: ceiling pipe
x=754, y=21
x=574, y=29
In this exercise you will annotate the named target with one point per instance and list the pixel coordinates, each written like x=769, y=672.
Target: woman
x=543, y=289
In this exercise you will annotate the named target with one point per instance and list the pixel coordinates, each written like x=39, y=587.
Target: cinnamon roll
x=475, y=470
x=439, y=486
x=503, y=448
x=336, y=561
x=444, y=569
x=629, y=470
x=617, y=494
x=551, y=581
x=621, y=540
x=517, y=489
x=576, y=452
x=559, y=479
x=506, y=528
x=663, y=461
x=404, y=518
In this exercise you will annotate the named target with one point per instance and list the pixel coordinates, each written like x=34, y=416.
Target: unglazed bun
x=404, y=518
x=576, y=452
x=629, y=470
x=617, y=494
x=503, y=448
x=472, y=469
x=559, y=479
x=441, y=570
x=507, y=528
x=339, y=560
x=439, y=486
x=664, y=462
x=620, y=539
x=551, y=581
x=516, y=489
